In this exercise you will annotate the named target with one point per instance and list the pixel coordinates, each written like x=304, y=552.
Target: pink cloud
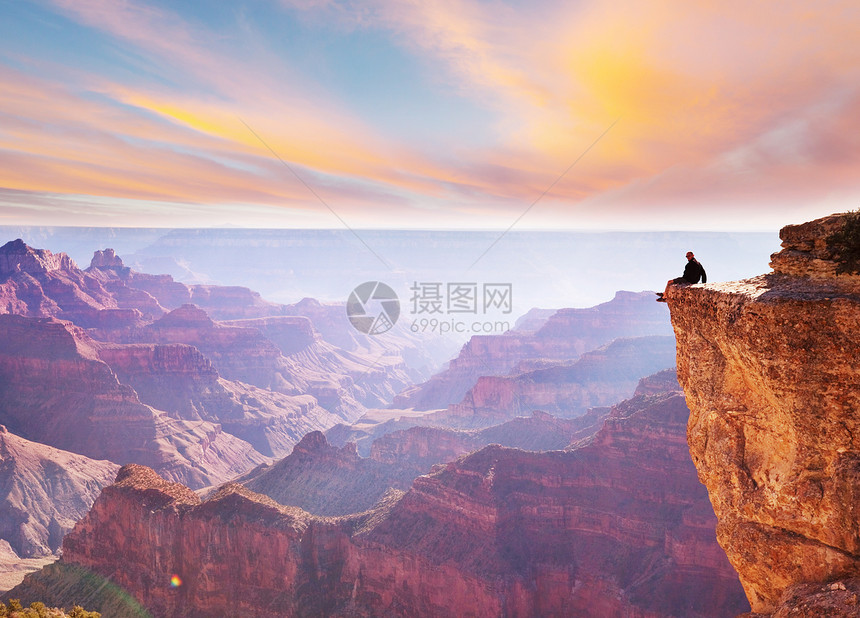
x=720, y=104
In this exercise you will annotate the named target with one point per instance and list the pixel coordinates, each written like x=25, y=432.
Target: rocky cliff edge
x=769, y=367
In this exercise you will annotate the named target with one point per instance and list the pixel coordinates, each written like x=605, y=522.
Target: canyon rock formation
x=178, y=379
x=252, y=340
x=222, y=302
x=286, y=325
x=618, y=524
x=407, y=437
x=38, y=283
x=564, y=389
x=267, y=391
x=769, y=366
x=113, y=364
x=372, y=380
x=45, y=491
x=598, y=378
x=566, y=335
x=328, y=480
x=54, y=389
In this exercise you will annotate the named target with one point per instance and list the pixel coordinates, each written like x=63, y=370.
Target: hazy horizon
x=552, y=269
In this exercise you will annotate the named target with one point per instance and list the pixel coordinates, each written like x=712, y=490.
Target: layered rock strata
x=54, y=389
x=233, y=377
x=244, y=354
x=120, y=305
x=223, y=302
x=45, y=491
x=178, y=379
x=565, y=390
x=617, y=525
x=293, y=328
x=328, y=480
x=373, y=380
x=769, y=366
x=407, y=436
x=564, y=336
x=38, y=283
x=601, y=377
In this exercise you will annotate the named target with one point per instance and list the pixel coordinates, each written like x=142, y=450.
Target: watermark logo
x=373, y=308
x=461, y=297
x=436, y=307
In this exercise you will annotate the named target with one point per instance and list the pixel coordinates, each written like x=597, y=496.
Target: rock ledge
x=769, y=367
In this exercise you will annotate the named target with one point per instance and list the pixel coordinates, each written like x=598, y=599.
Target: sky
x=442, y=114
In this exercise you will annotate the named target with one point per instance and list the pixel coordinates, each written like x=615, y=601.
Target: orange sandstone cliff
x=770, y=370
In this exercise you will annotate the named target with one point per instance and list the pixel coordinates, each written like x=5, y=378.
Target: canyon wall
x=617, y=525
x=373, y=380
x=44, y=492
x=38, y=283
x=223, y=302
x=179, y=380
x=326, y=480
x=598, y=378
x=293, y=328
x=262, y=345
x=770, y=369
x=92, y=362
x=401, y=437
x=566, y=335
x=54, y=389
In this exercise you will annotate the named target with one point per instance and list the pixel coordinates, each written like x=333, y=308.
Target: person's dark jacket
x=694, y=271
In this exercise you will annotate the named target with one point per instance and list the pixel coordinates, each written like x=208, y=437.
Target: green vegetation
x=846, y=244
x=61, y=585
x=38, y=610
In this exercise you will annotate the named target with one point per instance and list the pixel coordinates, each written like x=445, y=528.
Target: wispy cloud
x=722, y=105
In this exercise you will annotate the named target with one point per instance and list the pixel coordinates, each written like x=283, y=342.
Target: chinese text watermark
x=373, y=307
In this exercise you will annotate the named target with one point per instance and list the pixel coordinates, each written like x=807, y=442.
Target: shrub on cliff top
x=846, y=244
x=38, y=610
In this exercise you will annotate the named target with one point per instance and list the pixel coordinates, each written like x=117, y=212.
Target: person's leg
x=660, y=295
x=668, y=283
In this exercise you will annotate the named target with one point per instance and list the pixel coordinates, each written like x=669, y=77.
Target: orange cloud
x=302, y=127
x=717, y=103
x=693, y=85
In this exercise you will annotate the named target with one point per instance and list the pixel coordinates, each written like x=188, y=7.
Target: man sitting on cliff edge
x=693, y=271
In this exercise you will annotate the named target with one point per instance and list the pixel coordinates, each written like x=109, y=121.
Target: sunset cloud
x=469, y=112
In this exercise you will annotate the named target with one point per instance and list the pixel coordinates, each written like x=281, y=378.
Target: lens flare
x=175, y=581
